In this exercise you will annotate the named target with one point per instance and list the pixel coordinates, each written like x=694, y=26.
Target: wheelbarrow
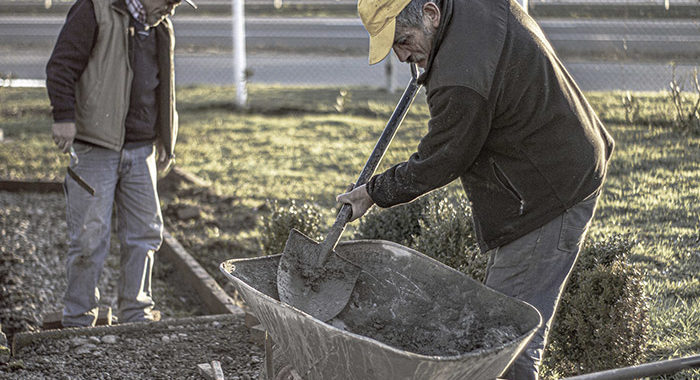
x=409, y=317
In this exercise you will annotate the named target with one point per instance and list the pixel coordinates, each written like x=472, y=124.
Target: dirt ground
x=32, y=228
x=32, y=282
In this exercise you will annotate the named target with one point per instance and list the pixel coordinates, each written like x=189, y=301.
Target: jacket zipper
x=503, y=179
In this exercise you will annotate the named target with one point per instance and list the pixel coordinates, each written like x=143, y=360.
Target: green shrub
x=632, y=108
x=305, y=217
x=436, y=224
x=398, y=224
x=686, y=105
x=603, y=319
x=447, y=234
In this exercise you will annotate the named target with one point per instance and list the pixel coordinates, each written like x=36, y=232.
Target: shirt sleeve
x=69, y=58
x=459, y=124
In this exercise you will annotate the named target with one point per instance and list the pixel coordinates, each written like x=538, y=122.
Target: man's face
x=157, y=10
x=413, y=44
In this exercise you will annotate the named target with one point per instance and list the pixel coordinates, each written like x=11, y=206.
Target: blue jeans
x=535, y=268
x=126, y=179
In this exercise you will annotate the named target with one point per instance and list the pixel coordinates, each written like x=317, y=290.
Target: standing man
x=110, y=80
x=507, y=119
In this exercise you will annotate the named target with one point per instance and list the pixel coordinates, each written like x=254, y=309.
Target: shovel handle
x=390, y=129
x=380, y=147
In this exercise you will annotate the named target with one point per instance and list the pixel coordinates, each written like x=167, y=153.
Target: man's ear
x=431, y=14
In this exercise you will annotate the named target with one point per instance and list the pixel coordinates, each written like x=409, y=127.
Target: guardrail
x=349, y=9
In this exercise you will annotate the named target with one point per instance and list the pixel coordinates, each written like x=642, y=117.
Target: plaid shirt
x=137, y=10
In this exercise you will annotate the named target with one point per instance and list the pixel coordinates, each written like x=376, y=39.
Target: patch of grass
x=292, y=144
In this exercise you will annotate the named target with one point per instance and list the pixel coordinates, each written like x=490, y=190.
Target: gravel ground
x=158, y=350
x=32, y=281
x=32, y=231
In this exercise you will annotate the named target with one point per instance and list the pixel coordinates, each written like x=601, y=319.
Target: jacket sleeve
x=69, y=58
x=458, y=127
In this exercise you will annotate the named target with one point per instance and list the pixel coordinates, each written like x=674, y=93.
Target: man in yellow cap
x=507, y=119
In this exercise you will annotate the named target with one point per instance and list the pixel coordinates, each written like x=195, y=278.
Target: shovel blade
x=321, y=291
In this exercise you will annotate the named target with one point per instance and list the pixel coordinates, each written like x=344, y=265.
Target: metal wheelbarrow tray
x=409, y=317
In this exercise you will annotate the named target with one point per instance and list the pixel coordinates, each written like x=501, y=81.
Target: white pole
x=239, y=57
x=389, y=73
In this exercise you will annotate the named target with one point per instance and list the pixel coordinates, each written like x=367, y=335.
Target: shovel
x=311, y=276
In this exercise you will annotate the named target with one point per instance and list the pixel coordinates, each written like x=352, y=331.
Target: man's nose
x=401, y=54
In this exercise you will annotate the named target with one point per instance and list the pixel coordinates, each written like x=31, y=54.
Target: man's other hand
x=359, y=199
x=163, y=161
x=63, y=135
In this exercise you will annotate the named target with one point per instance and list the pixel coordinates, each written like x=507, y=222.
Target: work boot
x=154, y=316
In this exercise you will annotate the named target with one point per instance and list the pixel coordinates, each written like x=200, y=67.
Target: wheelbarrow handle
x=643, y=370
x=380, y=148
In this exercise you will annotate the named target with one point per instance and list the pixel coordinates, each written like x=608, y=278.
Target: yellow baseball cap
x=379, y=18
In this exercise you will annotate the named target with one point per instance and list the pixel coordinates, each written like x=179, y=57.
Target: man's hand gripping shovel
x=63, y=135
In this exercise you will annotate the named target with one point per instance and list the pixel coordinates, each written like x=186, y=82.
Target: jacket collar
x=445, y=18
x=466, y=52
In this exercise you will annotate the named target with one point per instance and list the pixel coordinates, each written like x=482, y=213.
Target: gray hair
x=412, y=15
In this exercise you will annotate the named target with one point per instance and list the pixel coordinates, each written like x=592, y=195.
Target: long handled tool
x=661, y=367
x=310, y=276
x=76, y=177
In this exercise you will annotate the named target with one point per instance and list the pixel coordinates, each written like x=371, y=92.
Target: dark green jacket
x=507, y=119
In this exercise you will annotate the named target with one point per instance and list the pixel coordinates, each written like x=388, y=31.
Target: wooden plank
x=31, y=186
x=24, y=338
x=211, y=294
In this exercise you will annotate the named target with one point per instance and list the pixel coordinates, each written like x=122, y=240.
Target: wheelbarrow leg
x=269, y=368
x=277, y=366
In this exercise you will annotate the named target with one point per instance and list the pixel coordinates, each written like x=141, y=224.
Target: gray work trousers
x=127, y=180
x=535, y=268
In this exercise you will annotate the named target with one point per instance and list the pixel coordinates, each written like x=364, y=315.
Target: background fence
x=605, y=44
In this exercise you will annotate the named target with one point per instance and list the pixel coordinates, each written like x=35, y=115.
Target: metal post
x=389, y=73
x=239, y=55
x=661, y=367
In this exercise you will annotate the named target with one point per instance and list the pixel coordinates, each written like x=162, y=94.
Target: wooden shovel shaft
x=390, y=129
